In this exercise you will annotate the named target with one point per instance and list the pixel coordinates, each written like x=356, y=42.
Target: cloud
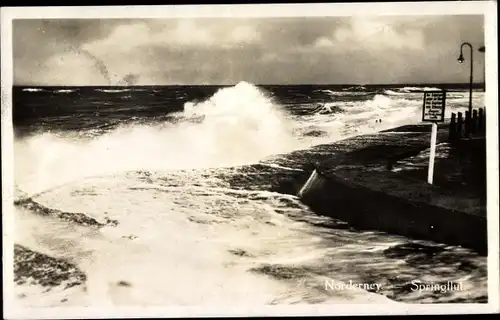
x=379, y=34
x=269, y=56
x=244, y=34
x=70, y=69
x=183, y=33
x=260, y=50
x=373, y=34
x=323, y=42
x=141, y=48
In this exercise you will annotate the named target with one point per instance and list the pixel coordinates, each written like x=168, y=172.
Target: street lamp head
x=461, y=58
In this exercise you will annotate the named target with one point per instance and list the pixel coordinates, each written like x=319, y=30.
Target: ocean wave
x=112, y=90
x=160, y=204
x=218, y=173
x=33, y=89
x=347, y=93
x=456, y=95
x=394, y=93
x=382, y=102
x=417, y=89
x=327, y=108
x=355, y=88
x=291, y=254
x=351, y=118
x=233, y=127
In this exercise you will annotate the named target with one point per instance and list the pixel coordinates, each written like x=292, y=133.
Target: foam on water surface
x=181, y=252
x=184, y=234
x=239, y=125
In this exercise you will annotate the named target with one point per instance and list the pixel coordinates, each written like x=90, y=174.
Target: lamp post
x=460, y=60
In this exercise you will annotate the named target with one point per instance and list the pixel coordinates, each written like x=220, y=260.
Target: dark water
x=209, y=162
x=74, y=108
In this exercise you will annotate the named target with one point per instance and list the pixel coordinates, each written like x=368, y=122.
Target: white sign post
x=433, y=111
x=430, y=173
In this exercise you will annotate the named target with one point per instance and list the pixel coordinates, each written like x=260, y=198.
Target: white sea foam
x=344, y=93
x=32, y=89
x=187, y=222
x=413, y=89
x=394, y=93
x=241, y=126
x=113, y=90
x=359, y=117
x=182, y=251
x=65, y=90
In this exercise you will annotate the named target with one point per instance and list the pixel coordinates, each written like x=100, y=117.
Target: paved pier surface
x=379, y=181
x=396, y=162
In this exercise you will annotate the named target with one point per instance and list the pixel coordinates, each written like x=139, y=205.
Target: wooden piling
x=460, y=122
x=482, y=120
x=452, y=135
x=473, y=127
x=467, y=123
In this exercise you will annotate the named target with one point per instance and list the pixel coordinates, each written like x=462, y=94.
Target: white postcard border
x=488, y=8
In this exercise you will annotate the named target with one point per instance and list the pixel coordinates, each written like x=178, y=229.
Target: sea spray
x=351, y=118
x=240, y=125
x=191, y=237
x=237, y=125
x=190, y=247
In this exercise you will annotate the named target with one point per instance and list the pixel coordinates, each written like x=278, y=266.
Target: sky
x=220, y=51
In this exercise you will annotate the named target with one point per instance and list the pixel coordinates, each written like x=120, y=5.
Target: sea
x=181, y=188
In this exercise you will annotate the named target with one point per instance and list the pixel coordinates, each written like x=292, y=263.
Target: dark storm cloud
x=36, y=41
x=369, y=49
x=46, y=35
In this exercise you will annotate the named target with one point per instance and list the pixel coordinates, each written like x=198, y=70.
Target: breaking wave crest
x=240, y=126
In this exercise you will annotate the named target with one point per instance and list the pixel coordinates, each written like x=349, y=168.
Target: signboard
x=434, y=103
x=433, y=111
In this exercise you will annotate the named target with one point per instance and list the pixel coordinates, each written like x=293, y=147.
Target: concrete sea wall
x=368, y=209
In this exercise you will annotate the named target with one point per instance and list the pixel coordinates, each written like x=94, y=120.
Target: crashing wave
x=345, y=93
x=113, y=90
x=417, y=89
x=355, y=88
x=393, y=93
x=32, y=90
x=65, y=90
x=327, y=109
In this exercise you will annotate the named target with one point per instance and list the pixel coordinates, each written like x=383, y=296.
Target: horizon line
x=261, y=84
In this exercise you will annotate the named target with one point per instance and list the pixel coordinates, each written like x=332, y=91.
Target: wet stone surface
x=34, y=268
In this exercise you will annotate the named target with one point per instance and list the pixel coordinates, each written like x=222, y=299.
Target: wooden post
x=484, y=121
x=460, y=122
x=467, y=123
x=452, y=135
x=481, y=121
x=473, y=127
x=430, y=175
